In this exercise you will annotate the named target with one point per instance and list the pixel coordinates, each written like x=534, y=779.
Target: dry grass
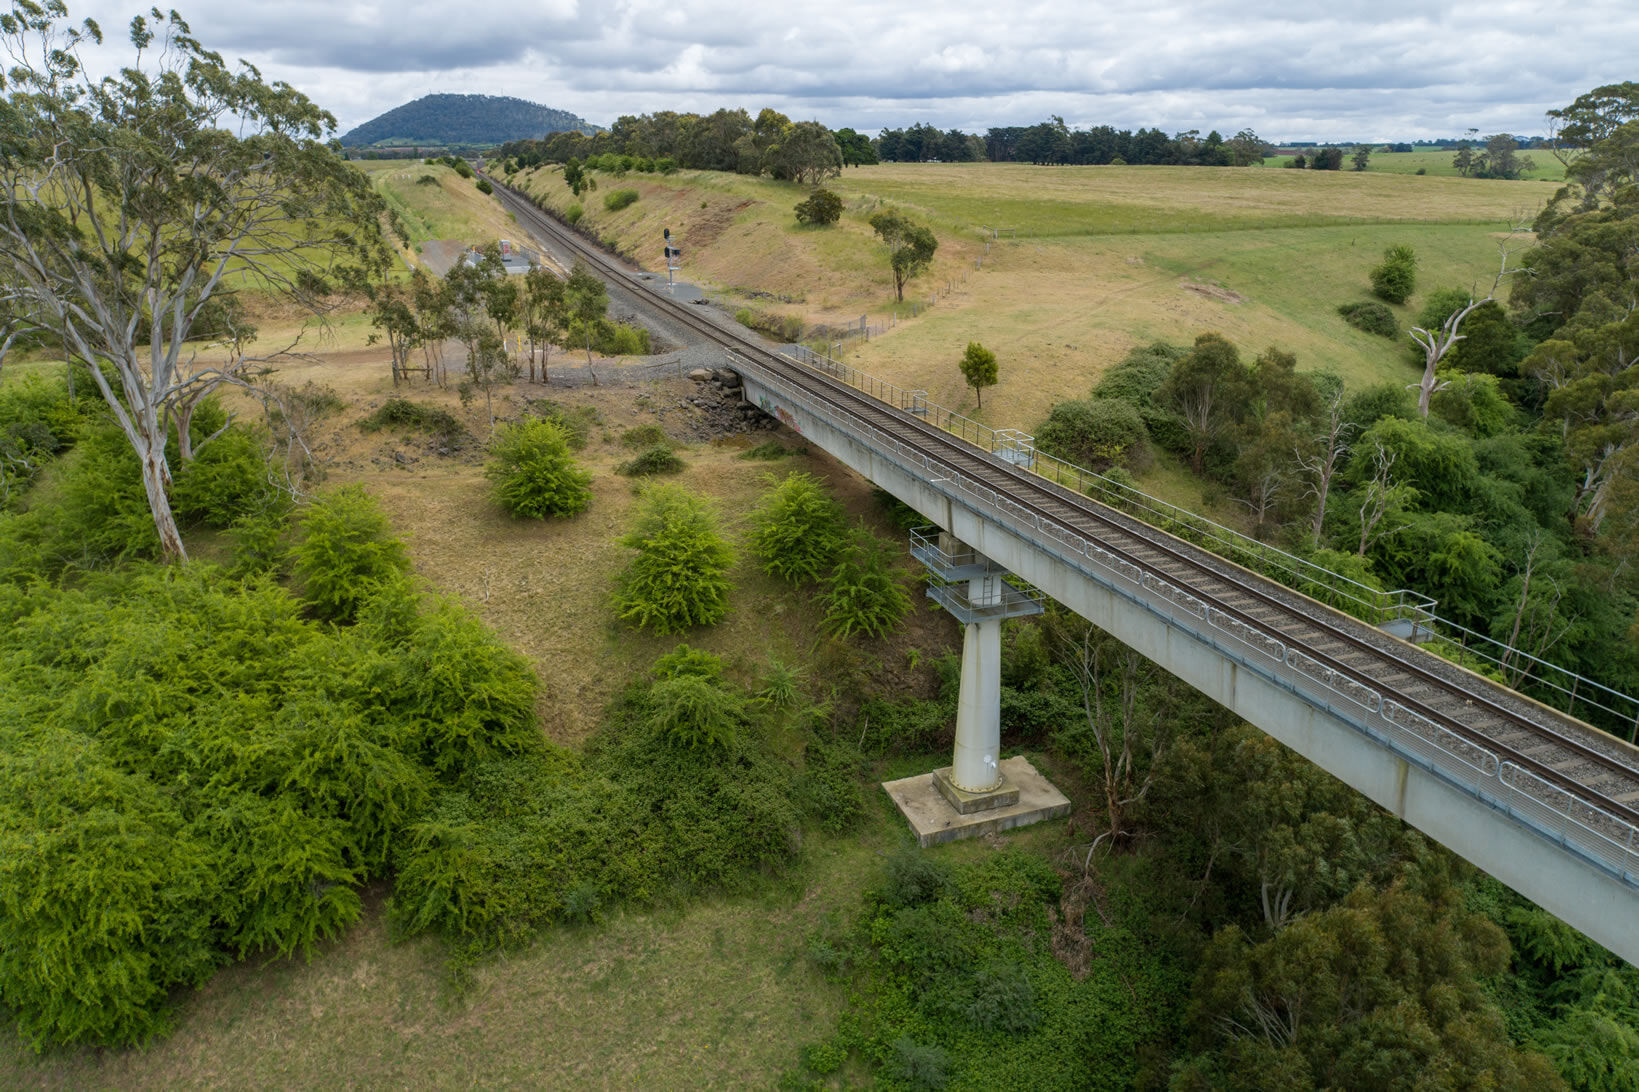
x=1105, y=258
x=545, y=586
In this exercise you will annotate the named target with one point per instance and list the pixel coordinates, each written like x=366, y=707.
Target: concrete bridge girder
x=1348, y=738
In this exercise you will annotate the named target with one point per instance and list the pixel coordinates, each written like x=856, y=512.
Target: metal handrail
x=1512, y=667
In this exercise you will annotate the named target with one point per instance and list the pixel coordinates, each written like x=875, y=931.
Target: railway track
x=1554, y=749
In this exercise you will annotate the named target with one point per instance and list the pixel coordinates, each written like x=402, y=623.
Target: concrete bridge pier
x=978, y=792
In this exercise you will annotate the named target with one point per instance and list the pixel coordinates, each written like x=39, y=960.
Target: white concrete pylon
x=979, y=709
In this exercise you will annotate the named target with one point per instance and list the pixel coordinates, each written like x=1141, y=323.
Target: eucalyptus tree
x=131, y=205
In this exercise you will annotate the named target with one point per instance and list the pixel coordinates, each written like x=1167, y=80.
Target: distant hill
x=463, y=119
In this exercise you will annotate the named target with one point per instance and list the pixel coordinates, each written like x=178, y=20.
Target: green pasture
x=1437, y=162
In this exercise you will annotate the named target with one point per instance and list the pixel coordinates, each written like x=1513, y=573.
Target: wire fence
x=1402, y=611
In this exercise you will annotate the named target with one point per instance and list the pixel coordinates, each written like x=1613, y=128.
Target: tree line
x=726, y=140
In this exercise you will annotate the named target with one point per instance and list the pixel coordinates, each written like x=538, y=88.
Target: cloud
x=1348, y=69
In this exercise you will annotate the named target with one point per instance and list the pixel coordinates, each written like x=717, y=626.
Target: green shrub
x=461, y=695
x=863, y=595
x=484, y=187
x=767, y=451
x=1370, y=316
x=227, y=479
x=532, y=473
x=1095, y=433
x=427, y=180
x=694, y=711
x=615, y=200
x=102, y=512
x=823, y=1059
x=684, y=660
x=644, y=436
x=1396, y=278
x=821, y=207
x=572, y=214
x=612, y=338
x=98, y=865
x=780, y=327
x=1440, y=304
x=401, y=413
x=658, y=459
x=345, y=552
x=575, y=421
x=797, y=530
x=1137, y=376
x=189, y=772
x=919, y=1065
x=679, y=578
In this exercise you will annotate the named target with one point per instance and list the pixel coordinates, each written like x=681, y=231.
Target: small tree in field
x=679, y=578
x=797, y=530
x=1396, y=279
x=587, y=301
x=822, y=207
x=533, y=474
x=910, y=247
x=979, y=369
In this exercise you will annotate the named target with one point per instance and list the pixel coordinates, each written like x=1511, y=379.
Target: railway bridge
x=1544, y=802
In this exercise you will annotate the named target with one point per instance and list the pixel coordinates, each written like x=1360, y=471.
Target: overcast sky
x=1337, y=70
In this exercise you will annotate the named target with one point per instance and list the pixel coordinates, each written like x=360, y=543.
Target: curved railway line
x=1497, y=727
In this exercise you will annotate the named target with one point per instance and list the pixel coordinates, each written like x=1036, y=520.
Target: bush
x=1370, y=316
x=427, y=180
x=227, y=479
x=767, y=451
x=921, y=1067
x=401, y=413
x=615, y=200
x=1139, y=374
x=1094, y=433
x=822, y=207
x=189, y=772
x=694, y=711
x=484, y=187
x=575, y=421
x=684, y=660
x=863, y=595
x=532, y=473
x=679, y=578
x=780, y=327
x=611, y=338
x=645, y=436
x=1439, y=305
x=658, y=459
x=572, y=214
x=797, y=529
x=345, y=553
x=1396, y=278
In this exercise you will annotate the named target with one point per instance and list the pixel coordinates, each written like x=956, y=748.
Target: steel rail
x=1013, y=482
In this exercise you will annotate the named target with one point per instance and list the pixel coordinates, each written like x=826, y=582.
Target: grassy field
x=449, y=207
x=1437, y=163
x=1099, y=259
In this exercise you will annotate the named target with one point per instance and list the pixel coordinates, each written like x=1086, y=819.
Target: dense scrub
x=191, y=772
x=680, y=791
